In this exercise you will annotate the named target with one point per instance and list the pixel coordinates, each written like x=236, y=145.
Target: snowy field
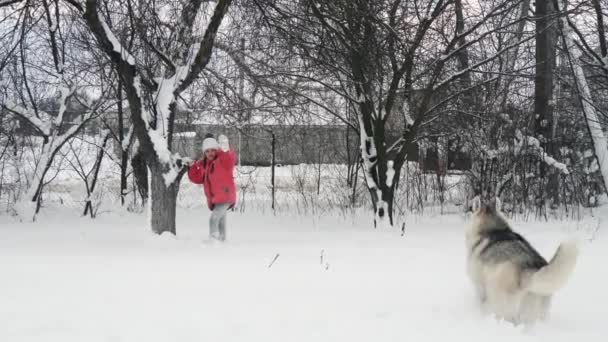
x=68, y=278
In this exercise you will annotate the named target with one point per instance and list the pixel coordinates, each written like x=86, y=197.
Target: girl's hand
x=188, y=161
x=223, y=141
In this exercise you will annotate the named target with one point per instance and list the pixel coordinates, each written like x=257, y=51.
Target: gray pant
x=217, y=222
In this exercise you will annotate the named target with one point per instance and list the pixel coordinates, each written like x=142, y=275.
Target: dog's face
x=486, y=217
x=482, y=217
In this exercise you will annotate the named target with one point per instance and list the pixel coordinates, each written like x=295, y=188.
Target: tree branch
x=206, y=46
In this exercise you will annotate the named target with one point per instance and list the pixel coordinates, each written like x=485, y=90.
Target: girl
x=215, y=173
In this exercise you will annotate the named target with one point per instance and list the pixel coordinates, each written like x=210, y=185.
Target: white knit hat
x=210, y=143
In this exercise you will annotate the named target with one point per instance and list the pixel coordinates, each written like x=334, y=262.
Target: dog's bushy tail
x=554, y=276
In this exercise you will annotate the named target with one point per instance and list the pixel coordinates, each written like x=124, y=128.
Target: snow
x=552, y=162
x=188, y=134
x=361, y=97
x=164, y=97
x=145, y=114
x=367, y=155
x=53, y=25
x=524, y=142
x=283, y=278
x=126, y=142
x=592, y=168
x=160, y=145
x=164, y=156
x=390, y=173
x=407, y=113
x=170, y=176
x=293, y=275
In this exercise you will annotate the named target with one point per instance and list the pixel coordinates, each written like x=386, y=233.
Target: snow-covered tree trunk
x=380, y=172
x=600, y=143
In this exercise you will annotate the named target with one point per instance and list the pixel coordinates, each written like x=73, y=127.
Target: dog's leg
x=482, y=296
x=504, y=294
x=535, y=308
x=545, y=306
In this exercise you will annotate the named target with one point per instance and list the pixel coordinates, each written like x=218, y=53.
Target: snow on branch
x=530, y=143
x=40, y=122
x=168, y=87
x=125, y=55
x=390, y=173
x=126, y=142
x=369, y=156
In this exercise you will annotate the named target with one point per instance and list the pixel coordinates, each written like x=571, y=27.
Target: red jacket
x=217, y=178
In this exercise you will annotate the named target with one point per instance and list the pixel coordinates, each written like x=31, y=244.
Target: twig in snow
x=403, y=229
x=273, y=260
x=322, y=256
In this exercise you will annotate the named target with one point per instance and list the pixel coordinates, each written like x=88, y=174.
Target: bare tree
x=31, y=75
x=394, y=61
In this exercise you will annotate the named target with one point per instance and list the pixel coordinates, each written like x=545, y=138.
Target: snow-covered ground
x=68, y=278
x=315, y=271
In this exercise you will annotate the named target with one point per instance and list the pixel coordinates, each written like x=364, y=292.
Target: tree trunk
x=140, y=174
x=601, y=31
x=319, y=160
x=389, y=198
x=546, y=41
x=272, y=166
x=124, y=164
x=354, y=177
x=463, y=55
x=162, y=202
x=88, y=208
x=124, y=152
x=35, y=191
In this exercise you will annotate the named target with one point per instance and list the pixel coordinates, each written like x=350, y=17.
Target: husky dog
x=513, y=281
